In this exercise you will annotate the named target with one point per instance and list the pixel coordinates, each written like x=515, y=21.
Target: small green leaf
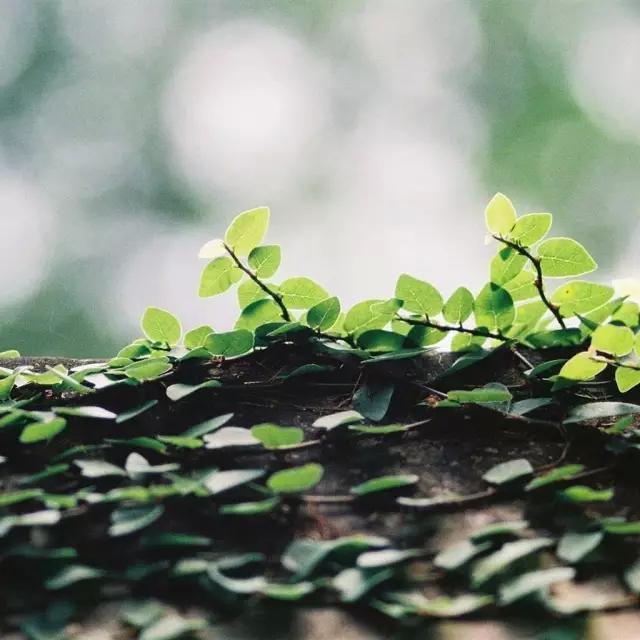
x=369, y=314
x=230, y=437
x=179, y=391
x=207, y=426
x=220, y=481
x=97, y=413
x=135, y=412
x=380, y=341
x=632, y=577
x=323, y=315
x=258, y=313
x=72, y=575
x=247, y=230
x=301, y=293
x=499, y=530
x=617, y=528
x=459, y=554
x=250, y=508
x=532, y=582
x=386, y=557
x=609, y=338
x=575, y=545
x=195, y=338
x=508, y=471
x=494, y=308
x=148, y=369
x=559, y=474
x=482, y=395
x=273, y=436
x=500, y=215
x=373, y=398
x=506, y=265
x=230, y=344
x=218, y=276
x=522, y=287
x=141, y=613
x=265, y=260
x=339, y=419
x=6, y=386
x=129, y=519
x=384, y=483
x=250, y=291
x=627, y=378
x=171, y=628
x=459, y=306
x=98, y=468
x=580, y=493
x=582, y=367
x=563, y=257
x=296, y=479
x=354, y=584
x=418, y=296
x=161, y=326
x=580, y=296
x=446, y=607
x=38, y=431
x=9, y=354
x=530, y=228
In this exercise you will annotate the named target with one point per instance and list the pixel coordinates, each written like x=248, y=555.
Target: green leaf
x=288, y=592
x=499, y=530
x=530, y=228
x=161, y=326
x=596, y=410
x=250, y=291
x=532, y=582
x=482, y=395
x=97, y=413
x=380, y=341
x=9, y=354
x=179, y=391
x=459, y=306
x=563, y=257
x=98, y=468
x=418, y=296
x=378, y=430
x=559, y=474
x=369, y=314
x=135, y=412
x=129, y=519
x=555, y=338
x=494, y=308
x=207, y=426
x=384, y=483
x=182, y=442
x=617, y=528
x=258, y=313
x=195, y=338
x=265, y=260
x=296, y=479
x=230, y=344
x=38, y=431
x=497, y=562
x=580, y=296
x=632, y=577
x=72, y=575
x=230, y=437
x=247, y=230
x=6, y=386
x=141, y=613
x=137, y=465
x=628, y=313
x=580, y=493
x=506, y=265
x=459, y=554
x=218, y=276
x=446, y=607
x=373, y=398
x=171, y=628
x=148, y=369
x=609, y=338
x=500, y=215
x=627, y=378
x=339, y=419
x=250, y=508
x=575, y=545
x=354, y=584
x=323, y=315
x=386, y=557
x=522, y=287
x=581, y=367
x=508, y=471
x=220, y=481
x=301, y=293
x=273, y=436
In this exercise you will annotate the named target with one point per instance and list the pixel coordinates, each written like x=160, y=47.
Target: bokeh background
x=132, y=131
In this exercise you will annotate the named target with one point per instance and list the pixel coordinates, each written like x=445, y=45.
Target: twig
x=538, y=282
x=482, y=333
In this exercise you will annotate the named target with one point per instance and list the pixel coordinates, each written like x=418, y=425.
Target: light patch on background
x=244, y=103
x=28, y=239
x=604, y=70
x=17, y=33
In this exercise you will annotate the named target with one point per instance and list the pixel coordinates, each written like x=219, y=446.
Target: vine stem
x=538, y=282
x=458, y=328
x=276, y=297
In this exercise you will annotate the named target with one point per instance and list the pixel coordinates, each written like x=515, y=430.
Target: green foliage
x=296, y=479
x=161, y=326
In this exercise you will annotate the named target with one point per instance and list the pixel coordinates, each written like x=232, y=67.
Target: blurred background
x=132, y=131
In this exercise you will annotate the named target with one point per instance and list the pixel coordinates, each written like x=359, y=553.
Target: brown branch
x=457, y=328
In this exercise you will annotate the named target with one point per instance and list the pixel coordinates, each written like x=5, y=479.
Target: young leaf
x=575, y=545
x=582, y=367
x=418, y=296
x=161, y=326
x=563, y=257
x=627, y=378
x=179, y=391
x=528, y=583
x=301, y=293
x=97, y=413
x=250, y=291
x=522, y=287
x=73, y=574
x=172, y=628
x=208, y=426
x=580, y=296
x=595, y=410
x=230, y=344
x=558, y=474
x=384, y=483
x=196, y=337
x=220, y=481
x=212, y=249
x=323, y=315
x=373, y=398
x=530, y=228
x=230, y=437
x=508, y=471
x=129, y=519
x=459, y=306
x=258, y=313
x=218, y=276
x=580, y=493
x=98, y=468
x=38, y=431
x=250, y=508
x=247, y=230
x=380, y=341
x=296, y=479
x=338, y=419
x=500, y=215
x=457, y=555
x=482, y=395
x=273, y=436
x=265, y=260
x=506, y=265
x=610, y=338
x=148, y=369
x=494, y=308
x=369, y=314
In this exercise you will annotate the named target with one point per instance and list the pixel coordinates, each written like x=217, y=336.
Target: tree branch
x=483, y=333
